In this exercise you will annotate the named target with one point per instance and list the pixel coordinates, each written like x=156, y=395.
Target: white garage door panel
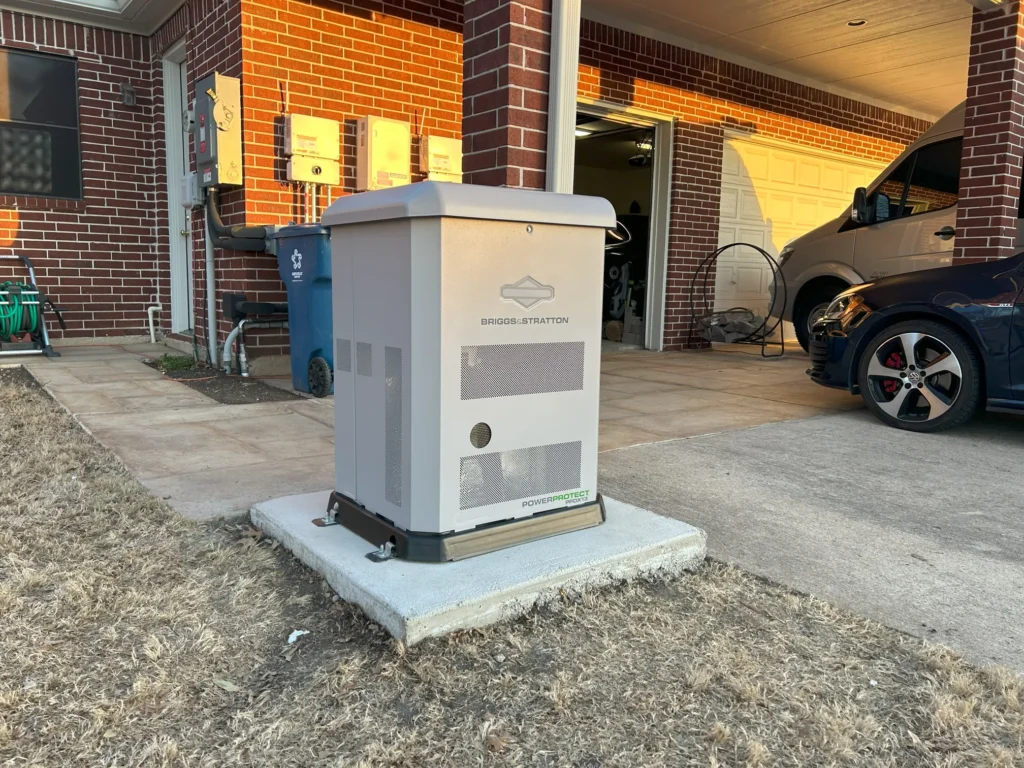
x=773, y=193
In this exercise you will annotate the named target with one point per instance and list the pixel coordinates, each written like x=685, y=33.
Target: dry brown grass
x=131, y=637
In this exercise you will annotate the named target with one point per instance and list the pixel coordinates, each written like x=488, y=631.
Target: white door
x=773, y=193
x=179, y=219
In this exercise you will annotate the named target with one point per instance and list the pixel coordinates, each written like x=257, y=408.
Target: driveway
x=924, y=533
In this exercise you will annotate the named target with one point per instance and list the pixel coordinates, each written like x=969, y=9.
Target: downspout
x=563, y=81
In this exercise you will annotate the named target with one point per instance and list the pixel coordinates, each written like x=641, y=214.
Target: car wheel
x=810, y=308
x=920, y=375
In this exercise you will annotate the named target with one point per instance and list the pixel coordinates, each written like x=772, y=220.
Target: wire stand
x=768, y=327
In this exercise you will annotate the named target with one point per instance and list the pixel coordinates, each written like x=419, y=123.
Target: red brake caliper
x=895, y=361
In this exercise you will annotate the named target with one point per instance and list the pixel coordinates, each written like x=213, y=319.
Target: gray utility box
x=218, y=131
x=467, y=324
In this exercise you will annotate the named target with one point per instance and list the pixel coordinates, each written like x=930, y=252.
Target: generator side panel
x=345, y=448
x=382, y=382
x=425, y=410
x=521, y=357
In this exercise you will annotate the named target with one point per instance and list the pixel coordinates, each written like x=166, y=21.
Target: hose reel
x=20, y=310
x=22, y=321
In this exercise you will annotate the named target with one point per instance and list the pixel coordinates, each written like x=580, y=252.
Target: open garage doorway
x=618, y=157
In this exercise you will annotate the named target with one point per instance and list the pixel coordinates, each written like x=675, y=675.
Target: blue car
x=926, y=349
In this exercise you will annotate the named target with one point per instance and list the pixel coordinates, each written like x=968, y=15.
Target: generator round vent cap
x=480, y=435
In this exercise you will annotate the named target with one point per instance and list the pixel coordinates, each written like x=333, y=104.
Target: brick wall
x=398, y=59
x=707, y=95
x=402, y=59
x=505, y=98
x=990, y=173
x=95, y=256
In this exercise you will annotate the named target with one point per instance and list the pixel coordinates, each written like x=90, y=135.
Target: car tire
x=947, y=398
x=809, y=303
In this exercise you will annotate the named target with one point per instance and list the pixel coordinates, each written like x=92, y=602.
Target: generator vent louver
x=343, y=355
x=393, y=475
x=524, y=473
x=364, y=358
x=508, y=370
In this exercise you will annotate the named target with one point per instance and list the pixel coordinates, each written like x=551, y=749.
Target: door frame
x=179, y=265
x=661, y=199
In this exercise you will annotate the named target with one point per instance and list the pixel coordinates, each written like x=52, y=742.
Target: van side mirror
x=860, y=212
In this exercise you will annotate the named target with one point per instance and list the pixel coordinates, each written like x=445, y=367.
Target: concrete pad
x=414, y=601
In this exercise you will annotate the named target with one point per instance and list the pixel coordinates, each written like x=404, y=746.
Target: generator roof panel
x=433, y=199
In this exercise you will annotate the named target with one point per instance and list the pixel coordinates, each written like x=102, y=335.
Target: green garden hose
x=19, y=310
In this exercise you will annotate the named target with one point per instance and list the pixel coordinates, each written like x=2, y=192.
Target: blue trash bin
x=304, y=261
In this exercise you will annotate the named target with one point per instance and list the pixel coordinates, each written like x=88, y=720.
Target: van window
x=888, y=196
x=935, y=180
x=934, y=175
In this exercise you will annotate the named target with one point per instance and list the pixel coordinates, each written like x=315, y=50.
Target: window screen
x=40, y=147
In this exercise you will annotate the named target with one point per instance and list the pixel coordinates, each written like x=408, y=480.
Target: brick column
x=506, y=45
x=990, y=174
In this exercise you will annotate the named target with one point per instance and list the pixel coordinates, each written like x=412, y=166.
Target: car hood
x=992, y=281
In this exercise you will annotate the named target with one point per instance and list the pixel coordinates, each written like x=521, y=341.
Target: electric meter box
x=312, y=137
x=467, y=325
x=218, y=131
x=314, y=170
x=441, y=158
x=383, y=153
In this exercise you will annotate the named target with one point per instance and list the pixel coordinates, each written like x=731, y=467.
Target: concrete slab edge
x=665, y=559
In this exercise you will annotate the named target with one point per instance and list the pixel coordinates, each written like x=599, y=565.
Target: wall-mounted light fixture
x=129, y=96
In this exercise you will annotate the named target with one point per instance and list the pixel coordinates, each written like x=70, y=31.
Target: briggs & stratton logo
x=527, y=293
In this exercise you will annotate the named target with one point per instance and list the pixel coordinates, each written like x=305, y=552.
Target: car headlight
x=787, y=252
x=848, y=308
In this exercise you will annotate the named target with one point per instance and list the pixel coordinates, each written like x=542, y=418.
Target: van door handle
x=946, y=233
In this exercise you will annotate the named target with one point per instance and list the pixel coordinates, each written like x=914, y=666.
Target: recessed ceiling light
x=856, y=22
x=581, y=132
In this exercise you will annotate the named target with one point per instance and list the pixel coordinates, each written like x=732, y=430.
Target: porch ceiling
x=911, y=54
x=140, y=16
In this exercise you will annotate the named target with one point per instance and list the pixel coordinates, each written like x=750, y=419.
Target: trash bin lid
x=428, y=199
x=300, y=230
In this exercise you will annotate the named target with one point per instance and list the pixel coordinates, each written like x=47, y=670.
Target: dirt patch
x=133, y=637
x=217, y=385
x=16, y=376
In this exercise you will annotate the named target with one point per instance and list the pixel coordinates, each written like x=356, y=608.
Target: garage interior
x=614, y=160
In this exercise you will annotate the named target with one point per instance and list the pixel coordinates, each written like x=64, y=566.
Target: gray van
x=905, y=221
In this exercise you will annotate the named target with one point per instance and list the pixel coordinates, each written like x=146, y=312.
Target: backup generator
x=467, y=363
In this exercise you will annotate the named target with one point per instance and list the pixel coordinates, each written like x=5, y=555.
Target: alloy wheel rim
x=914, y=377
x=817, y=313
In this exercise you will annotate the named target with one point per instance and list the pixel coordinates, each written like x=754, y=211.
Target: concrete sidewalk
x=924, y=533
x=205, y=459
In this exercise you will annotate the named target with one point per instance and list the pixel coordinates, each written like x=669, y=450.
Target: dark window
x=935, y=181
x=40, y=147
x=885, y=201
x=934, y=175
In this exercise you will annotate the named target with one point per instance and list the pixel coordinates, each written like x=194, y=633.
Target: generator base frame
x=39, y=343
x=445, y=547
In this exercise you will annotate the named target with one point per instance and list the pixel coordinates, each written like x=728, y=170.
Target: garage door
x=771, y=194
